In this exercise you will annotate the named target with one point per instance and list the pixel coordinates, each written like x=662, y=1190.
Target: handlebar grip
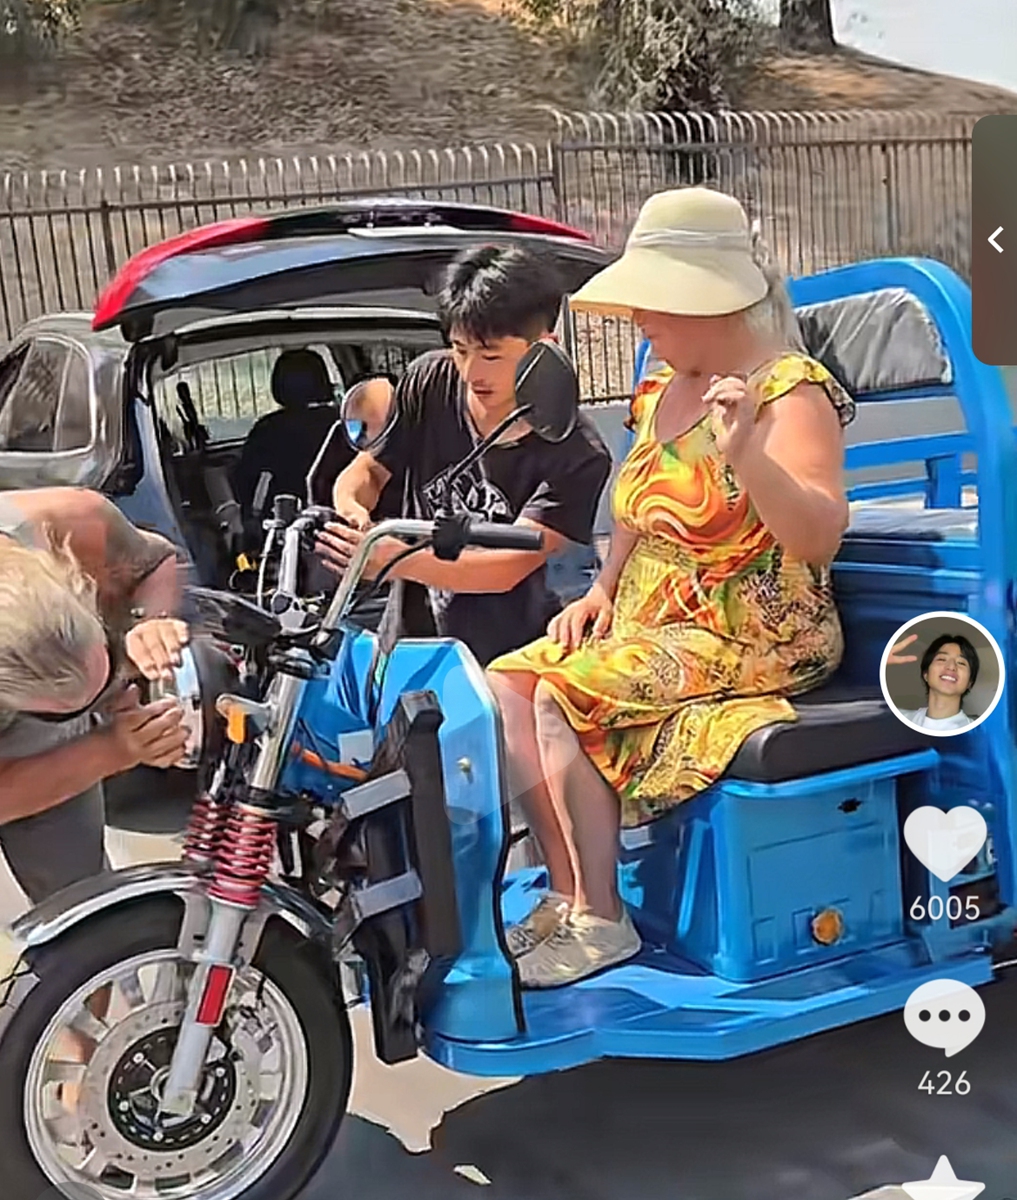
x=491, y=536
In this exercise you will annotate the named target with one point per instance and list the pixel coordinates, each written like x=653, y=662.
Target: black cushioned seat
x=877, y=522
x=839, y=725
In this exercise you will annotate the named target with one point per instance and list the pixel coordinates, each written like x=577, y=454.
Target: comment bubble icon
x=945, y=1014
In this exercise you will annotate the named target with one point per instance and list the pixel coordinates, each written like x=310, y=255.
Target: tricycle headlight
x=205, y=672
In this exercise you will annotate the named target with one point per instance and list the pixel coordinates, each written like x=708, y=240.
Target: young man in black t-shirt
x=496, y=302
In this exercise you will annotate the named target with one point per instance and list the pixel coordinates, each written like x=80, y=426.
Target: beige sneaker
x=579, y=947
x=545, y=918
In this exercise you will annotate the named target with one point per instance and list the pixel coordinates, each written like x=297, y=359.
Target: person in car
x=282, y=446
x=496, y=302
x=714, y=604
x=85, y=600
x=949, y=670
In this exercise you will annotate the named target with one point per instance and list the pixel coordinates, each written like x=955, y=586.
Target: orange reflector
x=213, y=1001
x=236, y=724
x=828, y=927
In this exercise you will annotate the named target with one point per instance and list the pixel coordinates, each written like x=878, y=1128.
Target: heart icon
x=944, y=842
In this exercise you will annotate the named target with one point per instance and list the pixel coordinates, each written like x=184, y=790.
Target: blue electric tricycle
x=181, y=1030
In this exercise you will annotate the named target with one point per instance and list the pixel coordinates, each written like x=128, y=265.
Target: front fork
x=241, y=863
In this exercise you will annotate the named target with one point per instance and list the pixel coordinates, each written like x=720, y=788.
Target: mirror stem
x=478, y=451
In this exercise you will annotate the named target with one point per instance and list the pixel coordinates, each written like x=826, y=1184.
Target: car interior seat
x=281, y=446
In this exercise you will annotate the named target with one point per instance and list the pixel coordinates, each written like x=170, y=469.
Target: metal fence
x=64, y=234
x=828, y=188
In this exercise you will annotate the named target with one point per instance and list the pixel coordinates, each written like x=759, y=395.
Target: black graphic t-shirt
x=557, y=486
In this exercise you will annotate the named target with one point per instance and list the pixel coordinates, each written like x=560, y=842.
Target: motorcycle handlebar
x=488, y=535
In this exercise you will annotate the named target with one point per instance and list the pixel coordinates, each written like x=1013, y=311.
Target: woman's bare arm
x=792, y=466
x=623, y=541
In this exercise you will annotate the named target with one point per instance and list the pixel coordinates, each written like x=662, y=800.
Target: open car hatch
x=372, y=252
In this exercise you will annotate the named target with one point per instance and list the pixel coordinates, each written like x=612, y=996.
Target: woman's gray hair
x=774, y=314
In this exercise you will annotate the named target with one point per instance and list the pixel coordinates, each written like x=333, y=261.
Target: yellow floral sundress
x=714, y=623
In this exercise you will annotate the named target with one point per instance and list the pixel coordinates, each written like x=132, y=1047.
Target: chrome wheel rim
x=92, y=1088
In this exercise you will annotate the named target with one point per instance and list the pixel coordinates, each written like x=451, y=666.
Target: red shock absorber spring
x=205, y=830
x=245, y=857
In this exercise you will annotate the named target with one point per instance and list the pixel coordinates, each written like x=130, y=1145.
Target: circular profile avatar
x=942, y=673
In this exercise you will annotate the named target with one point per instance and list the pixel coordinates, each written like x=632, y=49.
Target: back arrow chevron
x=992, y=240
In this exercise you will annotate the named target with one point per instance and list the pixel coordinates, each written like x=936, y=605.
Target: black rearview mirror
x=547, y=387
x=368, y=412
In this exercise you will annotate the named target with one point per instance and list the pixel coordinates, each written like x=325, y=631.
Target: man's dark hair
x=500, y=291
x=968, y=653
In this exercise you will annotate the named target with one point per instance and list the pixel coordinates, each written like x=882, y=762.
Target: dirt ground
x=362, y=74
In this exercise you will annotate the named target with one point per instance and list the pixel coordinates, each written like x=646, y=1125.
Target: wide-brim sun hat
x=689, y=254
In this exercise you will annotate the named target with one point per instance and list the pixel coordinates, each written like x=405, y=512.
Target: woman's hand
x=154, y=646
x=895, y=656
x=734, y=413
x=569, y=627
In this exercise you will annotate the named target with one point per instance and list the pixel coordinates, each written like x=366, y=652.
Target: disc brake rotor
x=122, y=1090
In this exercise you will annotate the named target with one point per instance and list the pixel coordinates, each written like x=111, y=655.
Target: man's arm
x=131, y=568
x=358, y=489
x=41, y=781
x=129, y=565
x=152, y=734
x=478, y=571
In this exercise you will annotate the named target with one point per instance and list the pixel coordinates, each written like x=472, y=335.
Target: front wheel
x=84, y=1059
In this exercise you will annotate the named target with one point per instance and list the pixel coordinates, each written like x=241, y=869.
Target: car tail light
x=523, y=223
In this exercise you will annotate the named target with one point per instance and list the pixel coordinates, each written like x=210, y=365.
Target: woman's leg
x=514, y=692
x=588, y=809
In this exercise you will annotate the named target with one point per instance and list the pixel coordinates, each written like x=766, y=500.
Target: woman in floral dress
x=714, y=604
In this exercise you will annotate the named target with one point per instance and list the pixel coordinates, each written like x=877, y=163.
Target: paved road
x=827, y=1119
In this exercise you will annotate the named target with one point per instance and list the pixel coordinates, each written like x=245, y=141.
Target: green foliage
x=662, y=54
x=28, y=26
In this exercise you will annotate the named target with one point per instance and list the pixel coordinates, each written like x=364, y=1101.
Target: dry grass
x=350, y=74
x=339, y=76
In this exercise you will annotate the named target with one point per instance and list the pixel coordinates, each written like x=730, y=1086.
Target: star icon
x=943, y=1185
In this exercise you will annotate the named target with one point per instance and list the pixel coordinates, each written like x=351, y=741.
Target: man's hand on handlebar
x=337, y=543
x=353, y=514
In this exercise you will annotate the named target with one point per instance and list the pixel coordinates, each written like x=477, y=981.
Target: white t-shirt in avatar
x=920, y=716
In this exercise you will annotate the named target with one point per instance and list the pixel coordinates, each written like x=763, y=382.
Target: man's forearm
x=361, y=483
x=42, y=781
x=475, y=571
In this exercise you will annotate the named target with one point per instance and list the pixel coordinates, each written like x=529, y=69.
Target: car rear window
x=232, y=392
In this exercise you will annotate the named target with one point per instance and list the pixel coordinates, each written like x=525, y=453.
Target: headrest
x=300, y=378
x=876, y=342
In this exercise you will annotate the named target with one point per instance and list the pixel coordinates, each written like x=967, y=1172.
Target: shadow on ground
x=826, y=1119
